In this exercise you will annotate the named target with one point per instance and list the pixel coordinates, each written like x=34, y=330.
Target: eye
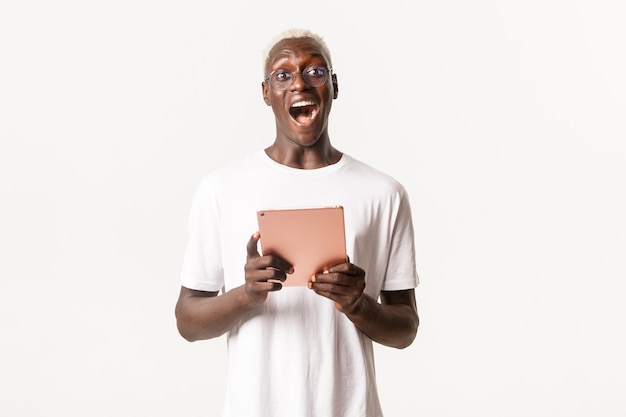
x=316, y=72
x=281, y=75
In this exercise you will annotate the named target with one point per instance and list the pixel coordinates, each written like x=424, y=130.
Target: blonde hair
x=294, y=33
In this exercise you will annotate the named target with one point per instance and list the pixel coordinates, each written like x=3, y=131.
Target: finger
x=265, y=286
x=264, y=268
x=251, y=248
x=273, y=274
x=335, y=289
x=280, y=264
x=270, y=262
x=338, y=278
x=347, y=268
x=337, y=283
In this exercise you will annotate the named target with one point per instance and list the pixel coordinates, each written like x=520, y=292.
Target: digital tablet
x=310, y=239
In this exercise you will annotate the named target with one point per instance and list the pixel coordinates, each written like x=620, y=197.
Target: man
x=299, y=351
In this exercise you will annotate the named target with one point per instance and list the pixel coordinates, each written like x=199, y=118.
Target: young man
x=299, y=351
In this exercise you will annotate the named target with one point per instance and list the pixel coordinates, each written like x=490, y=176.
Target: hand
x=343, y=283
x=263, y=273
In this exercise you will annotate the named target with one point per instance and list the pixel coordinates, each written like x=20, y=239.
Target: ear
x=265, y=90
x=335, y=86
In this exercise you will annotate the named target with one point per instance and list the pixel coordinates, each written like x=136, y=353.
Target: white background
x=505, y=120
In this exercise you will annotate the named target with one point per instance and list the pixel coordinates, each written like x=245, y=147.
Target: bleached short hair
x=294, y=33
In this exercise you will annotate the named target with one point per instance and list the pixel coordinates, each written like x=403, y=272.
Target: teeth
x=303, y=103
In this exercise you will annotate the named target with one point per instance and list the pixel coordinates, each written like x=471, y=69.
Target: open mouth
x=303, y=112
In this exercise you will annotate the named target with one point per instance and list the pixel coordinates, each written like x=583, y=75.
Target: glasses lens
x=281, y=79
x=315, y=76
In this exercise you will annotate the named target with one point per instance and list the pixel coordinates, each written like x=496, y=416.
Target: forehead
x=297, y=48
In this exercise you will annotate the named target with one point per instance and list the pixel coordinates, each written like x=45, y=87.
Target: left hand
x=343, y=283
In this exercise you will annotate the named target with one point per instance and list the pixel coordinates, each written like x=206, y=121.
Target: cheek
x=270, y=97
x=276, y=101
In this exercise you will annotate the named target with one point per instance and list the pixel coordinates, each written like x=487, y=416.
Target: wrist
x=247, y=300
x=356, y=307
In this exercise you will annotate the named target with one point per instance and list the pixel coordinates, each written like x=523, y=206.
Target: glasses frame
x=302, y=73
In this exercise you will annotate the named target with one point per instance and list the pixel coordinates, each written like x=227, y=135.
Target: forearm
x=392, y=325
x=205, y=317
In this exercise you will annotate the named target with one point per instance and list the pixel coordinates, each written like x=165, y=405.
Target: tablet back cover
x=311, y=239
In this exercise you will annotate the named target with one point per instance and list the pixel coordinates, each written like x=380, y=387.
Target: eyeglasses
x=315, y=76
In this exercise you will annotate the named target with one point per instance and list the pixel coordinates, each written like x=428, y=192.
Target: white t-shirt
x=296, y=355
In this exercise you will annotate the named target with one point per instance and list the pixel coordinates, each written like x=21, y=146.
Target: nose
x=298, y=82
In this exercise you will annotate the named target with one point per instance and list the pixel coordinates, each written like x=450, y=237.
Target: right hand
x=263, y=273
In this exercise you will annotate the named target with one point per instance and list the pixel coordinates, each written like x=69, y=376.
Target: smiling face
x=301, y=110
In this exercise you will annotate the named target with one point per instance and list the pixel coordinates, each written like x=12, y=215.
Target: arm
x=205, y=315
x=393, y=322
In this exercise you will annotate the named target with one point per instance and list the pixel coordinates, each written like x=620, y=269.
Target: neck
x=304, y=158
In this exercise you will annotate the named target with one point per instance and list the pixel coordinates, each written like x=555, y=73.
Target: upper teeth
x=302, y=103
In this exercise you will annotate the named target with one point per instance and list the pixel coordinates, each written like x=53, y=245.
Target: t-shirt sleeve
x=401, y=270
x=202, y=263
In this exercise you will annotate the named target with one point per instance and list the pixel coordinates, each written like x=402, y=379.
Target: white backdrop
x=503, y=119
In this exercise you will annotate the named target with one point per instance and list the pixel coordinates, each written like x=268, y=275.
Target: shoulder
x=234, y=170
x=372, y=177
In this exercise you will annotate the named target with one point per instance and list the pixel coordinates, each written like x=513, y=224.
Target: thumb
x=251, y=248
